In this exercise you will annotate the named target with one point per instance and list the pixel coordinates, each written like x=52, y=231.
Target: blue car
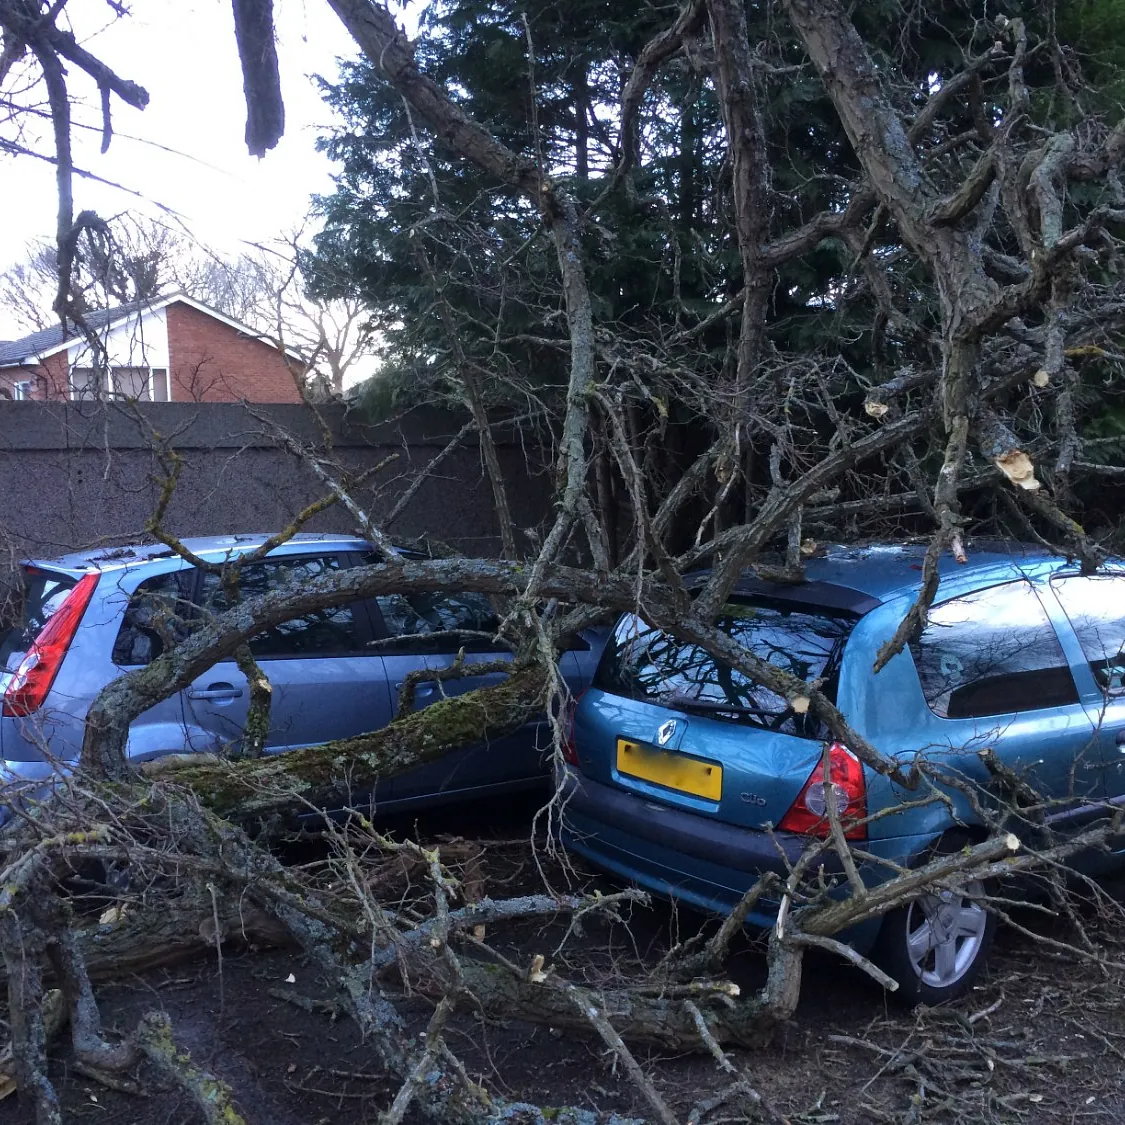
x=84, y=619
x=689, y=779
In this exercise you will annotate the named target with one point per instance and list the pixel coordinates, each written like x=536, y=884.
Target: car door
x=156, y=616
x=995, y=674
x=424, y=632
x=1094, y=606
x=327, y=680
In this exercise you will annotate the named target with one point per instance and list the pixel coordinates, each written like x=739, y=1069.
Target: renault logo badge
x=665, y=732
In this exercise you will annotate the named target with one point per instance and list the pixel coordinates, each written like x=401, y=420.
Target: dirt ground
x=1041, y=1039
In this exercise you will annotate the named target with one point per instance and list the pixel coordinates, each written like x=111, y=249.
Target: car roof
x=883, y=570
x=857, y=577
x=877, y=570
x=212, y=547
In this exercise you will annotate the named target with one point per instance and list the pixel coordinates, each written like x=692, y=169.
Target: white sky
x=183, y=52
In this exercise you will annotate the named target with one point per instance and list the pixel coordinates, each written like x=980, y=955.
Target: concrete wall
x=76, y=474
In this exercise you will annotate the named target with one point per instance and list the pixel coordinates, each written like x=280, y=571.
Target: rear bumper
x=698, y=861
x=692, y=836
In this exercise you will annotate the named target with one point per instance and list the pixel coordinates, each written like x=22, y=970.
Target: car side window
x=1095, y=607
x=323, y=632
x=992, y=652
x=157, y=617
x=413, y=621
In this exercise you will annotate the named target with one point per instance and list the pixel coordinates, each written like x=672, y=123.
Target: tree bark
x=746, y=142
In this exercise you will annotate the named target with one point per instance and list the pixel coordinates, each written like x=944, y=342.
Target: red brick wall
x=212, y=362
x=48, y=379
x=55, y=371
x=9, y=376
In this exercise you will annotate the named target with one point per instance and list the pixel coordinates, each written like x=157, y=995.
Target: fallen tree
x=1008, y=224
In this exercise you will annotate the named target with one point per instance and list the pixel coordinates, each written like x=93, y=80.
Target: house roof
x=39, y=345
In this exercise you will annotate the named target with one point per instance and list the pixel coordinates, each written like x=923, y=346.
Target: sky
x=183, y=52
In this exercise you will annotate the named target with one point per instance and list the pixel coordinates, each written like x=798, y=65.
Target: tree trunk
x=581, y=101
x=747, y=143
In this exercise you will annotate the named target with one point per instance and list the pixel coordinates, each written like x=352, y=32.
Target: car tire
x=937, y=945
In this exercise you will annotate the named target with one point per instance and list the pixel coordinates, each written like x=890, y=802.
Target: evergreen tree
x=462, y=280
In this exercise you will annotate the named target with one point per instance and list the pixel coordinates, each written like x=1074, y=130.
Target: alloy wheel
x=945, y=933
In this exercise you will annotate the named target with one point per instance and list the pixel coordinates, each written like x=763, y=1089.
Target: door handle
x=216, y=692
x=426, y=687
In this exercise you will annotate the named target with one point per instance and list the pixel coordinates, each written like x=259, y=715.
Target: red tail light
x=569, y=750
x=31, y=681
x=808, y=815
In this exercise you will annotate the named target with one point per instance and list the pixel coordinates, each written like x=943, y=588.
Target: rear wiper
x=693, y=703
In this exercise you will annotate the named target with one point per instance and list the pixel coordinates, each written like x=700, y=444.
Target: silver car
x=86, y=618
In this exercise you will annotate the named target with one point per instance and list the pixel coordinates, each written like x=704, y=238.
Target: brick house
x=172, y=349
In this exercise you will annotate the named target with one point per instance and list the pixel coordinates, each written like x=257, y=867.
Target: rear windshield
x=28, y=607
x=641, y=662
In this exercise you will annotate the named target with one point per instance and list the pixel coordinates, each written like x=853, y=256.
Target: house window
x=84, y=383
x=141, y=384
x=130, y=382
x=21, y=391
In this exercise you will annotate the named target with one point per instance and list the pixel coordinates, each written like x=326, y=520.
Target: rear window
x=641, y=662
x=29, y=607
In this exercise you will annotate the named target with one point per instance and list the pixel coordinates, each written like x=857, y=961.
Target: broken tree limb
x=688, y=962
x=211, y=1095
x=22, y=947
x=54, y=1020
x=179, y=927
x=656, y=1016
x=588, y=1006
x=741, y=1089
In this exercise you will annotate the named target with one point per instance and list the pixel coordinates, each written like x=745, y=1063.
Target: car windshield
x=642, y=662
x=28, y=607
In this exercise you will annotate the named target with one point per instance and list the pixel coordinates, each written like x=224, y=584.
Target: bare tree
x=125, y=260
x=266, y=288
x=27, y=287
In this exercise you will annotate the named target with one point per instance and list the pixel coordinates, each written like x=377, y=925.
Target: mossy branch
x=250, y=788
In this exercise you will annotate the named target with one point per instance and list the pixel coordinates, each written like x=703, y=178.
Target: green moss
x=254, y=787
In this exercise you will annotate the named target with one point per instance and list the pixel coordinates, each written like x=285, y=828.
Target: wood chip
x=1018, y=468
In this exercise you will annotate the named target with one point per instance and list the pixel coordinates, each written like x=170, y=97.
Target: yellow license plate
x=674, y=771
